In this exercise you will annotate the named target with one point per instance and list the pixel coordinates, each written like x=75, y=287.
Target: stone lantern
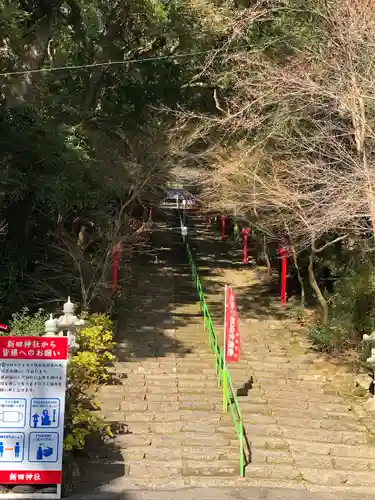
x=69, y=323
x=65, y=324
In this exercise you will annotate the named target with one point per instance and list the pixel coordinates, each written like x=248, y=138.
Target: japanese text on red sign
x=33, y=348
x=232, y=334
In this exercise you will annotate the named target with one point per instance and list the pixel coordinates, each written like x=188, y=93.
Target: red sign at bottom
x=30, y=477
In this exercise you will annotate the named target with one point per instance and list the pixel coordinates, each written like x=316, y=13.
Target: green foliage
x=27, y=323
x=352, y=311
x=73, y=142
x=296, y=26
x=329, y=338
x=88, y=370
x=298, y=312
x=364, y=351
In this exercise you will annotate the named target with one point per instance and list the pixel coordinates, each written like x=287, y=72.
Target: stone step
x=262, y=455
x=189, y=439
x=252, y=408
x=335, y=436
x=327, y=462
x=265, y=483
x=285, y=383
x=338, y=478
x=302, y=447
x=159, y=453
x=276, y=394
x=195, y=439
x=177, y=426
x=201, y=405
x=150, y=468
x=324, y=423
x=279, y=403
x=173, y=396
x=314, y=414
x=197, y=376
x=182, y=415
x=221, y=468
x=203, y=385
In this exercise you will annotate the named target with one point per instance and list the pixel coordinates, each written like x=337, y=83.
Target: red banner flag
x=223, y=221
x=284, y=262
x=232, y=332
x=245, y=233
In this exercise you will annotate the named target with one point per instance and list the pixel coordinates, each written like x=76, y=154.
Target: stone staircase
x=303, y=434
x=168, y=404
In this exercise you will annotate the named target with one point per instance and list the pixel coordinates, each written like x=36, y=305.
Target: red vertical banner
x=245, y=233
x=284, y=263
x=116, y=256
x=223, y=222
x=150, y=213
x=232, y=332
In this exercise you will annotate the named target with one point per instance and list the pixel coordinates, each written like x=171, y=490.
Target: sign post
x=231, y=338
x=223, y=221
x=245, y=233
x=32, y=405
x=117, y=252
x=184, y=232
x=284, y=262
x=184, y=210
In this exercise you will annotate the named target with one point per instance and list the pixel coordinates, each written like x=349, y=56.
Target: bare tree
x=291, y=143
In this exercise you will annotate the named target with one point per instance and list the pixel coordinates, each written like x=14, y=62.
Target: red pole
x=115, y=264
x=284, y=260
x=223, y=220
x=117, y=251
x=245, y=233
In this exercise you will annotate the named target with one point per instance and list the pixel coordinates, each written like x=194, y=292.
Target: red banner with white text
x=232, y=332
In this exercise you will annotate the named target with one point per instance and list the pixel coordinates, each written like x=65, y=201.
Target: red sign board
x=34, y=348
x=31, y=477
x=232, y=332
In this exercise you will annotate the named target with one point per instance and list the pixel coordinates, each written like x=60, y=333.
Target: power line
x=103, y=64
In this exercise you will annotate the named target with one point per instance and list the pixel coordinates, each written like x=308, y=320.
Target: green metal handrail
x=224, y=379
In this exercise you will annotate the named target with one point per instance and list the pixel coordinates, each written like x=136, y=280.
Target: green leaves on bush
x=352, y=311
x=25, y=323
x=88, y=370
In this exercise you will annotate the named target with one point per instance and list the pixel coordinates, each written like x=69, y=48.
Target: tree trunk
x=300, y=280
x=266, y=257
x=314, y=285
x=34, y=56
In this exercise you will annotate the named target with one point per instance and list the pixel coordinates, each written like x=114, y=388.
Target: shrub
x=87, y=371
x=26, y=323
x=327, y=338
x=352, y=311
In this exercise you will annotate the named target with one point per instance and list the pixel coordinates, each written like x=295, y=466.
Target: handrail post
x=242, y=454
x=225, y=390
